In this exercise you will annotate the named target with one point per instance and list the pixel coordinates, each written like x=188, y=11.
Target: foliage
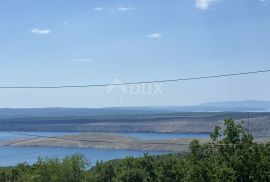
x=230, y=156
x=70, y=169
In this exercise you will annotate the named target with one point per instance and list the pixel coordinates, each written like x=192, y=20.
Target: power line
x=135, y=83
x=83, y=140
x=52, y=137
x=110, y=142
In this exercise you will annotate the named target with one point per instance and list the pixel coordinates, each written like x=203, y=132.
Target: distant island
x=191, y=119
x=105, y=141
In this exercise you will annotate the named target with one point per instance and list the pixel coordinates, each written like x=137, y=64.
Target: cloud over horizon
x=204, y=4
x=265, y=2
x=84, y=60
x=41, y=31
x=121, y=8
x=98, y=8
x=155, y=35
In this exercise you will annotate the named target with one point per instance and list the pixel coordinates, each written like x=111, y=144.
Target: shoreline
x=105, y=141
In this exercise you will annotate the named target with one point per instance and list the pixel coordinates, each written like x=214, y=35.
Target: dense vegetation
x=232, y=156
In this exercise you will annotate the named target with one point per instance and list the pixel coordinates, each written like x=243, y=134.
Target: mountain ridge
x=227, y=106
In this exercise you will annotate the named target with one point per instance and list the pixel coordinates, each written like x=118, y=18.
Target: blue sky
x=67, y=42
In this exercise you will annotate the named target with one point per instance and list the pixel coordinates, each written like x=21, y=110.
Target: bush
x=230, y=156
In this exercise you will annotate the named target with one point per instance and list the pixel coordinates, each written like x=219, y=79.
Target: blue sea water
x=17, y=135
x=160, y=136
x=10, y=156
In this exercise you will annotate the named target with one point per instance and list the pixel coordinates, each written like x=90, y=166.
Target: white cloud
x=155, y=35
x=204, y=4
x=120, y=8
x=83, y=60
x=99, y=9
x=41, y=31
x=265, y=1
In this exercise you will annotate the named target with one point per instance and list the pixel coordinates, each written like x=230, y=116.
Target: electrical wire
x=136, y=83
x=110, y=142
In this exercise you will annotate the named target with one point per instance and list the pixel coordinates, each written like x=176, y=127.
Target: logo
x=117, y=85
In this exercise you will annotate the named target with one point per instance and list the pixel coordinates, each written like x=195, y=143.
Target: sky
x=80, y=42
